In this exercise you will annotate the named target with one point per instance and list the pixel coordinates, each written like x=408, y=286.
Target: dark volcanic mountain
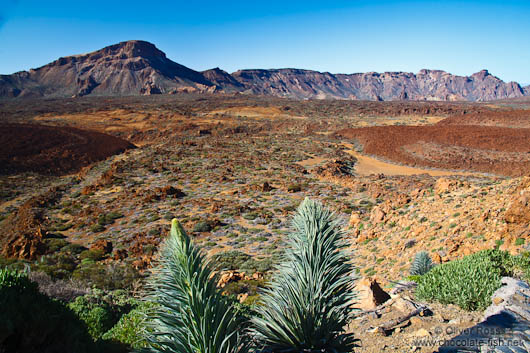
x=127, y=68
x=223, y=79
x=138, y=67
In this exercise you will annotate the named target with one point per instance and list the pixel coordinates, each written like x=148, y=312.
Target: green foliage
x=57, y=265
x=129, y=326
x=309, y=302
x=190, y=315
x=100, y=310
x=93, y=254
x=421, y=265
x=96, y=315
x=470, y=281
x=32, y=322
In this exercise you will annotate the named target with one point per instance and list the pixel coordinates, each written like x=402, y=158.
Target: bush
x=32, y=322
x=238, y=260
x=106, y=276
x=203, y=226
x=470, y=281
x=229, y=260
x=93, y=254
x=97, y=315
x=129, y=328
x=101, y=310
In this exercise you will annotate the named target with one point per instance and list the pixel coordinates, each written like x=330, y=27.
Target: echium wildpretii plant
x=309, y=302
x=190, y=315
x=421, y=264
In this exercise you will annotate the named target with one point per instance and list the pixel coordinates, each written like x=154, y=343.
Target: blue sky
x=461, y=37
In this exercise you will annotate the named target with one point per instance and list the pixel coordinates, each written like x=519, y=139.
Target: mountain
x=127, y=68
x=138, y=67
x=223, y=79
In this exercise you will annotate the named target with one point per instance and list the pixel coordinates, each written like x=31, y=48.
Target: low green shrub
x=101, y=310
x=129, y=328
x=470, y=281
x=97, y=316
x=203, y=226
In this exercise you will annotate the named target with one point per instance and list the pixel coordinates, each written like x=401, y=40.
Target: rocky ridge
x=138, y=67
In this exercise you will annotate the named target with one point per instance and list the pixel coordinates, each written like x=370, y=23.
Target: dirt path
x=368, y=165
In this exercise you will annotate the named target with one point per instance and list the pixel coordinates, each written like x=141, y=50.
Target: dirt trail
x=368, y=165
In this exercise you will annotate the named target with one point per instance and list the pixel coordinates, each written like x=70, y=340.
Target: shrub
x=190, y=315
x=203, y=226
x=127, y=330
x=93, y=254
x=470, y=281
x=309, y=301
x=106, y=276
x=421, y=265
x=101, y=310
x=97, y=315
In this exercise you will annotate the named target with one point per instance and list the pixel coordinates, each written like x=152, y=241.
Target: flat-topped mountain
x=127, y=68
x=138, y=67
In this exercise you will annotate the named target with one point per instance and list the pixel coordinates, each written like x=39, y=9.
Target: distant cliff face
x=138, y=67
x=425, y=85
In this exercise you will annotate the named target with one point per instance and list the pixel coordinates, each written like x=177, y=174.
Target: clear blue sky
x=461, y=37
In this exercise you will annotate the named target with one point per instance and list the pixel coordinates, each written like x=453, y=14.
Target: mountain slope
x=126, y=68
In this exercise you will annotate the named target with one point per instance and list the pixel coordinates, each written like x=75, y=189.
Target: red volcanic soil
x=53, y=150
x=503, y=118
x=497, y=150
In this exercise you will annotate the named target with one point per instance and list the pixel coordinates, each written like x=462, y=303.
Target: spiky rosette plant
x=309, y=302
x=422, y=264
x=190, y=313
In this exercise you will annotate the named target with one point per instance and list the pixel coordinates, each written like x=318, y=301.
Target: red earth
x=488, y=149
x=53, y=150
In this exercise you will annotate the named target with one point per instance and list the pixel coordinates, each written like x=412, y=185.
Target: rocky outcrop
x=505, y=325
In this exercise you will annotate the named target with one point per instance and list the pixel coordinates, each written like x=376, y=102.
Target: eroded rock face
x=371, y=294
x=425, y=85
